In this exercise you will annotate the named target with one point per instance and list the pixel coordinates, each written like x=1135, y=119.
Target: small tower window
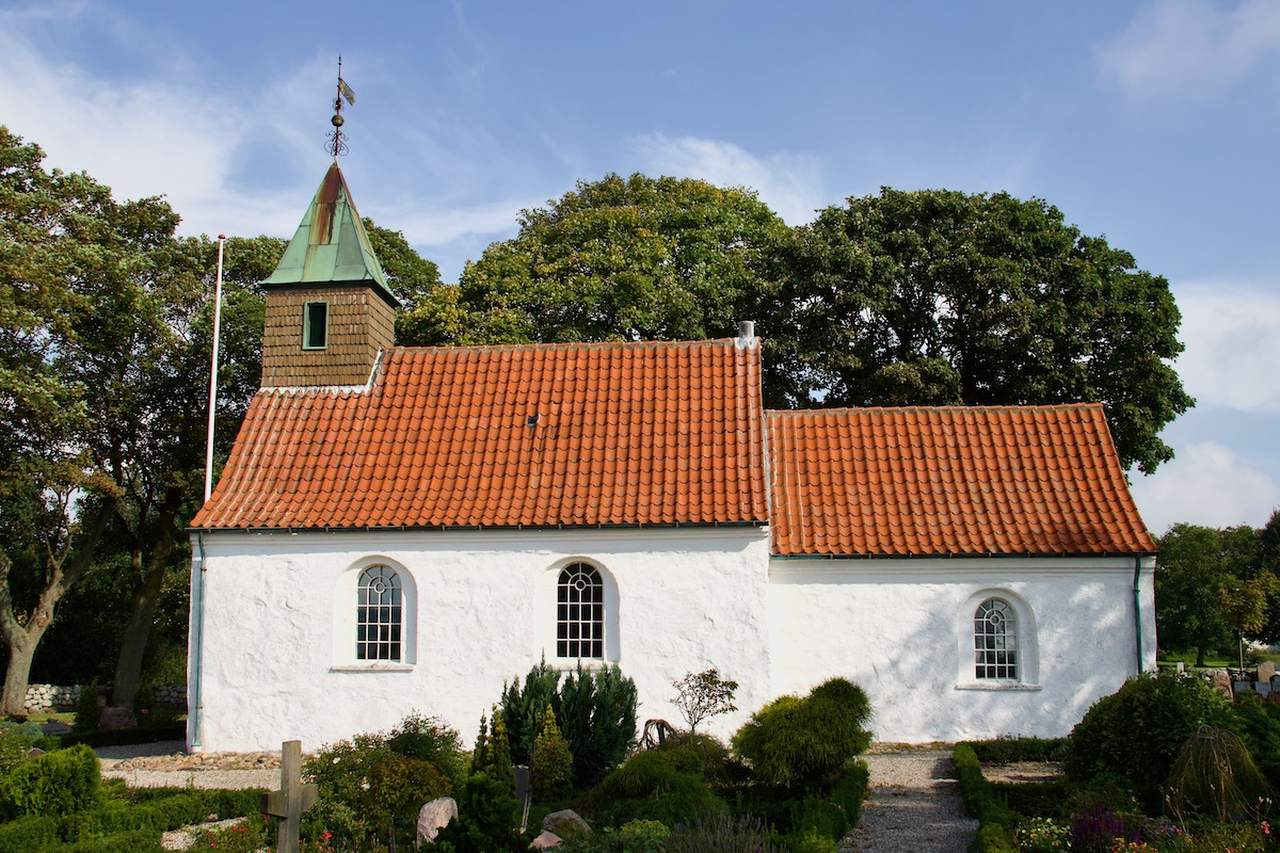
x=315, y=325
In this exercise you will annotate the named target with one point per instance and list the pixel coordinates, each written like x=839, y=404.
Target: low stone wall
x=59, y=697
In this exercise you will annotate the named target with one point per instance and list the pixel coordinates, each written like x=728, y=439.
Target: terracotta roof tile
x=950, y=481
x=627, y=434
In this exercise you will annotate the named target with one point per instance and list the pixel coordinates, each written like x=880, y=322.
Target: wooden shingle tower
x=329, y=310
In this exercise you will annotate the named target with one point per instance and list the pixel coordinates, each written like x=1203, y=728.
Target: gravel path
x=171, y=776
x=913, y=806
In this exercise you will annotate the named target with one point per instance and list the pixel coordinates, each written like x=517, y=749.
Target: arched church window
x=995, y=641
x=379, y=614
x=580, y=612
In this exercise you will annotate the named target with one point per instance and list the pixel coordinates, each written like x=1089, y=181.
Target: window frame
x=1026, y=638
x=995, y=642
x=344, y=604
x=387, y=582
x=572, y=581
x=306, y=325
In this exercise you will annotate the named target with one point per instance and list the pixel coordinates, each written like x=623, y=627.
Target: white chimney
x=746, y=333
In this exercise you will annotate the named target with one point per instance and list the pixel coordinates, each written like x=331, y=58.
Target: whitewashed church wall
x=903, y=630
x=278, y=647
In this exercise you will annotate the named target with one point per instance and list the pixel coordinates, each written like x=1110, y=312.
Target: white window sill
x=998, y=686
x=372, y=667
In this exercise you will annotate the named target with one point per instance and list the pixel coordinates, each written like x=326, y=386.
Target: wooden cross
x=292, y=799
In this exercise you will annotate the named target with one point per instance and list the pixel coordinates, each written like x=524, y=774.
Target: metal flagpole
x=213, y=374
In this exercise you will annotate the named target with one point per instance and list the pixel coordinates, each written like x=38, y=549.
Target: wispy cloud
x=790, y=183
x=1232, y=335
x=1208, y=483
x=1178, y=48
x=164, y=129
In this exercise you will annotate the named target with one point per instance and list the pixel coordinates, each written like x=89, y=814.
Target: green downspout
x=1137, y=608
x=197, y=643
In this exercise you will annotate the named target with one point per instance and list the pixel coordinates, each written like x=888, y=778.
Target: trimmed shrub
x=429, y=739
x=811, y=841
x=57, y=783
x=135, y=841
x=850, y=790
x=523, y=708
x=804, y=743
x=979, y=798
x=1006, y=750
x=30, y=833
x=1137, y=731
x=648, y=786
x=551, y=768
x=499, y=747
x=88, y=714
x=697, y=753
x=597, y=715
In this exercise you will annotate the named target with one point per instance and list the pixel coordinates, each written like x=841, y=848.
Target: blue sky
x=1154, y=123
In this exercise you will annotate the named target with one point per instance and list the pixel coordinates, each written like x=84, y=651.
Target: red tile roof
x=625, y=434
x=950, y=481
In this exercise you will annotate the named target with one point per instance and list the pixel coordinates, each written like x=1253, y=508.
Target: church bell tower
x=329, y=310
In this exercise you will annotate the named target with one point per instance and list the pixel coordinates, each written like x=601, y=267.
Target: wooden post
x=292, y=799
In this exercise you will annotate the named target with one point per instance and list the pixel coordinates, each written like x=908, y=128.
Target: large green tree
x=942, y=297
x=68, y=255
x=628, y=259
x=1208, y=589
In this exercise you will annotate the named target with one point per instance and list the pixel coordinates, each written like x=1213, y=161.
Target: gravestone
x=1266, y=669
x=1222, y=682
x=114, y=719
x=292, y=799
x=435, y=816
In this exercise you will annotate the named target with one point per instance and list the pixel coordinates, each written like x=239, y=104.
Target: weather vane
x=336, y=141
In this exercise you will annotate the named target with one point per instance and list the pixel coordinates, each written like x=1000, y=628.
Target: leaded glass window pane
x=379, y=613
x=995, y=641
x=580, y=613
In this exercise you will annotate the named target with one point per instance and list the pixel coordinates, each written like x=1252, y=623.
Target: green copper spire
x=331, y=245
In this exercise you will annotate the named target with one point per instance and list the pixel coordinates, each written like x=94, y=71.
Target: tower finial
x=336, y=139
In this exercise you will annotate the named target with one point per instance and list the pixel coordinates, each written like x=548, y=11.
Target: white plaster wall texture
x=687, y=599
x=902, y=630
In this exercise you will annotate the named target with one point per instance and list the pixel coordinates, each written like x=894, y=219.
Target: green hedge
x=123, y=737
x=1006, y=750
x=980, y=799
x=129, y=826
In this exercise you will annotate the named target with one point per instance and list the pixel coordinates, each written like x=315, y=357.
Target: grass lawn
x=68, y=717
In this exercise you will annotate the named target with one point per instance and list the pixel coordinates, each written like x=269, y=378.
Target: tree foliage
x=635, y=258
x=1208, y=588
x=942, y=297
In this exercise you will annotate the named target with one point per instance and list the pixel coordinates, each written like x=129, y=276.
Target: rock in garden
x=114, y=719
x=435, y=816
x=565, y=823
x=545, y=841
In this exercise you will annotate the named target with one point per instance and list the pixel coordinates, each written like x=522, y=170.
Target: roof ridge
x=534, y=345
x=1007, y=407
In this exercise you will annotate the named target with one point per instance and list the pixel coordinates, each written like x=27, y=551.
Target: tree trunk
x=23, y=639
x=21, y=654
x=137, y=634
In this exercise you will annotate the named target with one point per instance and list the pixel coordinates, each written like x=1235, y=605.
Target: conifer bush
x=804, y=743
x=597, y=716
x=88, y=714
x=523, y=708
x=56, y=783
x=551, y=767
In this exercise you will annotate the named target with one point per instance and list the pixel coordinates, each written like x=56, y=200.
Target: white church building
x=403, y=528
